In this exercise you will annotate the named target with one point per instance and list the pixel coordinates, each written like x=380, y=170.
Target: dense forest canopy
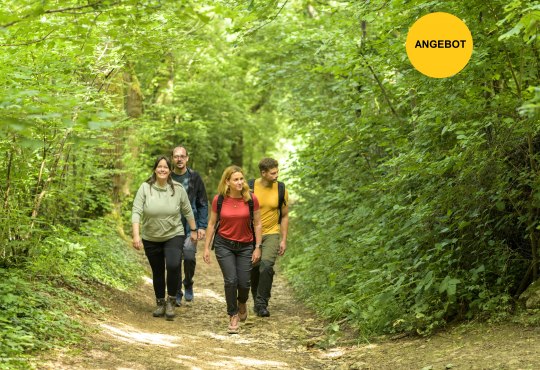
x=416, y=199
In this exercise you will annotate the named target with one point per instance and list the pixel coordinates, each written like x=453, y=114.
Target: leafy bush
x=418, y=198
x=37, y=303
x=31, y=318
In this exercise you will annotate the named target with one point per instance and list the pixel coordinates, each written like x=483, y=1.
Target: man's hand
x=282, y=247
x=201, y=233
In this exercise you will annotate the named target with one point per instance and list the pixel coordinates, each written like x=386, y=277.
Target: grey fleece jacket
x=160, y=211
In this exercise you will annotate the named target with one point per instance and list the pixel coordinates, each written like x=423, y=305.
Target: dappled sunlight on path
x=131, y=335
x=128, y=337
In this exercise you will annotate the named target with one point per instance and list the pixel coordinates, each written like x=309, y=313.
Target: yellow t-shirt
x=268, y=203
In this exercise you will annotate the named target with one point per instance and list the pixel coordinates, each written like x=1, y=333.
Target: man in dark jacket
x=196, y=191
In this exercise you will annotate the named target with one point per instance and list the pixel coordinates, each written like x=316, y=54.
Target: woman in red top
x=233, y=241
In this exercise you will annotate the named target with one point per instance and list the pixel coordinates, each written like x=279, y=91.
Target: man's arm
x=284, y=229
x=201, y=202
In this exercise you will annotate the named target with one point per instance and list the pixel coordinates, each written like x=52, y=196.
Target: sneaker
x=242, y=311
x=262, y=312
x=179, y=298
x=234, y=325
x=189, y=293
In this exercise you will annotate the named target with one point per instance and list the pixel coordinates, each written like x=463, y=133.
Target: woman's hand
x=206, y=255
x=194, y=236
x=137, y=243
x=256, y=256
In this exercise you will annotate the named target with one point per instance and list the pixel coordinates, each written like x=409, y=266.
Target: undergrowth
x=41, y=300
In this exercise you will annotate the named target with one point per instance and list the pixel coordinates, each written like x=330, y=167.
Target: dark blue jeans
x=188, y=255
x=164, y=256
x=234, y=259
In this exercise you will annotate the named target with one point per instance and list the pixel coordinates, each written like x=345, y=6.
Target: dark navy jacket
x=198, y=199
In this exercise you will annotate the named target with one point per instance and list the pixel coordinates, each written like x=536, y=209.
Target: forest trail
x=128, y=337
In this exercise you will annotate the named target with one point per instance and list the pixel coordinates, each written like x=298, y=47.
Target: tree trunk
x=237, y=150
x=8, y=181
x=133, y=106
x=164, y=82
x=44, y=189
x=133, y=98
x=533, y=212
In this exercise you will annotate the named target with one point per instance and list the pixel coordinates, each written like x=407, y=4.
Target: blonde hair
x=224, y=189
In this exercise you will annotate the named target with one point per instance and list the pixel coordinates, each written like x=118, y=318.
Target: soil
x=128, y=337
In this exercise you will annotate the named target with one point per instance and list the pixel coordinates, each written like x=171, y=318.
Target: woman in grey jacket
x=158, y=207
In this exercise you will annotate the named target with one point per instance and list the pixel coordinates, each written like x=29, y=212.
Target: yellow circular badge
x=439, y=45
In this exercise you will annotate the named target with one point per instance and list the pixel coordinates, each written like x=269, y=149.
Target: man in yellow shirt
x=273, y=201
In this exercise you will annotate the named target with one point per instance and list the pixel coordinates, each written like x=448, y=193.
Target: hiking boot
x=160, y=309
x=234, y=324
x=189, y=293
x=179, y=298
x=262, y=312
x=242, y=311
x=169, y=308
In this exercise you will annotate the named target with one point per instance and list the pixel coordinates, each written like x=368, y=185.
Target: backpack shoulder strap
x=250, y=204
x=251, y=211
x=251, y=184
x=219, y=205
x=281, y=198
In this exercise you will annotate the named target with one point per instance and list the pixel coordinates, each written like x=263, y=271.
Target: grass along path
x=128, y=337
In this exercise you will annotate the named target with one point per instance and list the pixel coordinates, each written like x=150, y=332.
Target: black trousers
x=164, y=256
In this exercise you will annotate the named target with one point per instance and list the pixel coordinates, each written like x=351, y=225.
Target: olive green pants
x=262, y=273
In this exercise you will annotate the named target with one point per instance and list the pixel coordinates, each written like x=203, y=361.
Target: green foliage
x=103, y=255
x=92, y=255
x=39, y=303
x=417, y=197
x=84, y=110
x=91, y=93
x=31, y=318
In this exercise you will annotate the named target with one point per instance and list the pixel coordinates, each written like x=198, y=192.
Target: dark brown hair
x=266, y=164
x=152, y=179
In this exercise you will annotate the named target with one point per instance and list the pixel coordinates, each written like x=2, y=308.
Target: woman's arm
x=136, y=215
x=257, y=224
x=209, y=233
x=137, y=241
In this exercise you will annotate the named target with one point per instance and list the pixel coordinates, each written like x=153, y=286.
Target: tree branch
x=61, y=10
x=383, y=90
x=268, y=22
x=30, y=42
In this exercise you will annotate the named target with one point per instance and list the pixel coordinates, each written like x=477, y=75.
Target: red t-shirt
x=234, y=220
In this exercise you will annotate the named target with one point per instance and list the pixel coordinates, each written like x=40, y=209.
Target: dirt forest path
x=128, y=337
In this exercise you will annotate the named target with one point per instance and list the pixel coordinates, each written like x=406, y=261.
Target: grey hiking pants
x=234, y=259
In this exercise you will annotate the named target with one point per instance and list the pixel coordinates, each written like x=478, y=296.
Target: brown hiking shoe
x=234, y=324
x=160, y=309
x=242, y=311
x=169, y=308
